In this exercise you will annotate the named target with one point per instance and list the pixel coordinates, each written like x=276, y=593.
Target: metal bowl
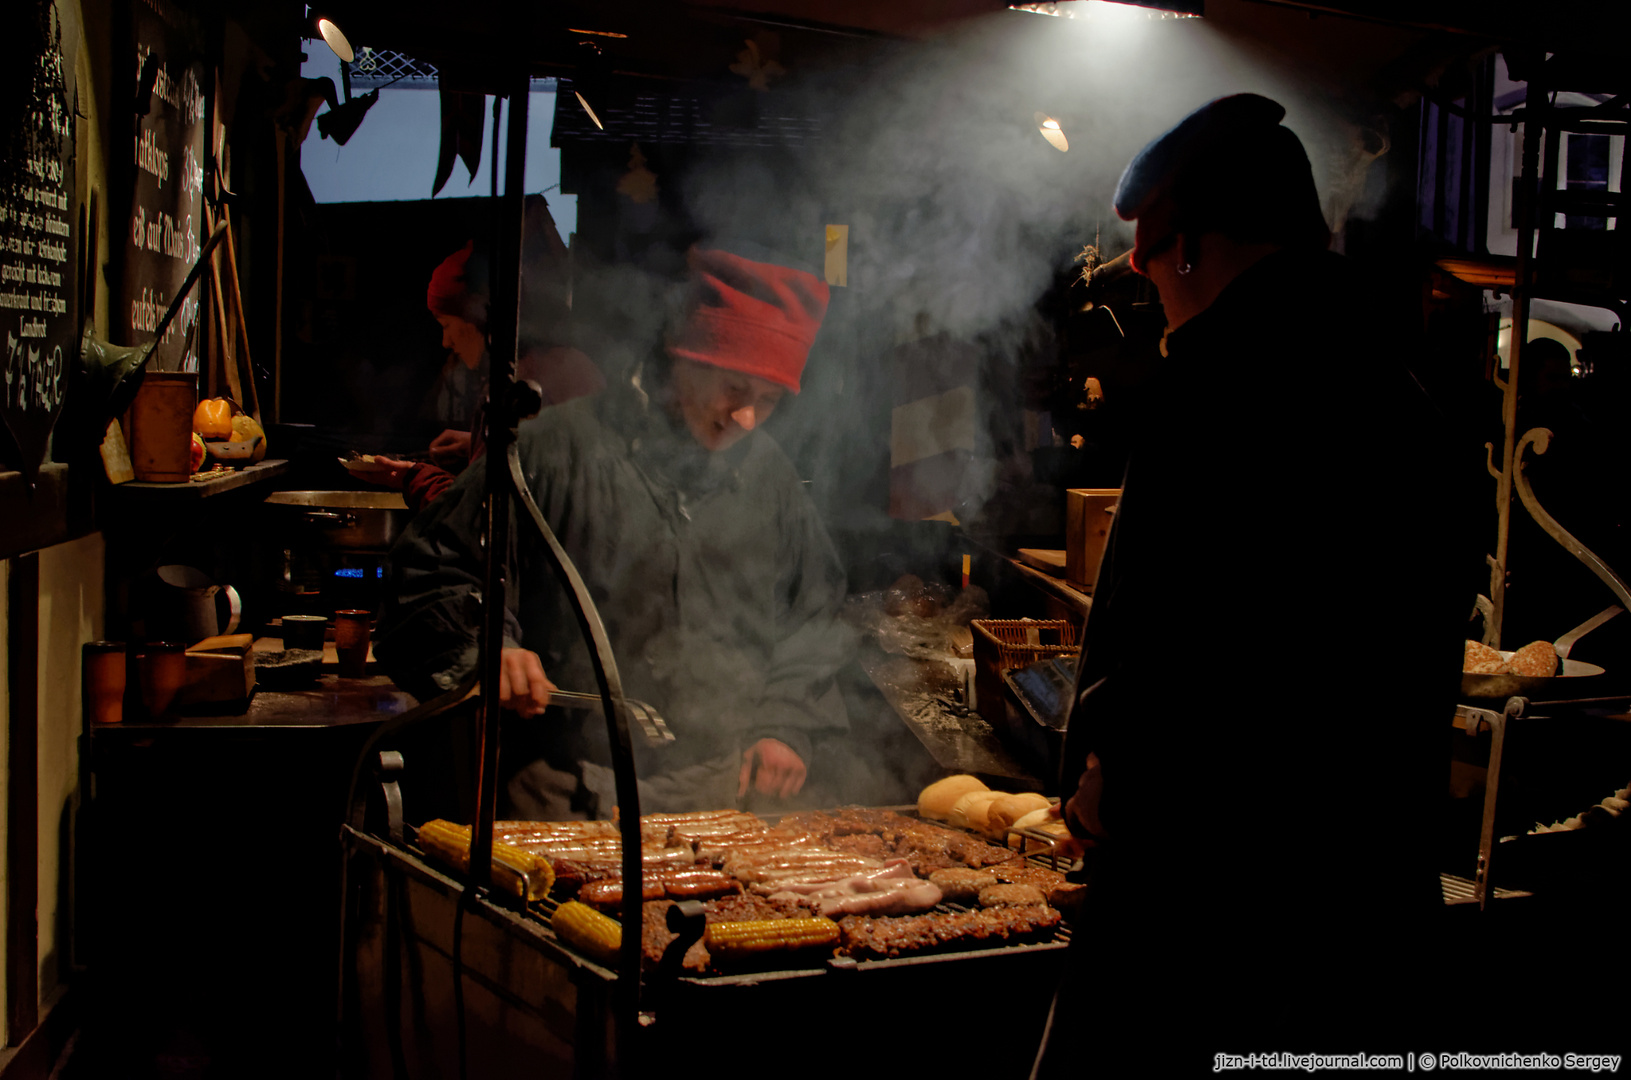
x=227, y=450
x=1550, y=688
x=342, y=520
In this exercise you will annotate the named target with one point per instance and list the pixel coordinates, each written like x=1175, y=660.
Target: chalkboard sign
x=39, y=315
x=164, y=232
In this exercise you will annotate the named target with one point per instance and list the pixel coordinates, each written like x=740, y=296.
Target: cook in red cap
x=746, y=335
x=718, y=585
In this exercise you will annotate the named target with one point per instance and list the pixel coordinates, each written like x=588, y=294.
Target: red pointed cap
x=759, y=318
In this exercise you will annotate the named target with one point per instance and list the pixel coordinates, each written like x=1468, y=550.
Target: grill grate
x=1460, y=890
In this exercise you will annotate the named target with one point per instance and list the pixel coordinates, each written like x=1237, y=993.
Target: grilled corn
x=516, y=871
x=729, y=941
x=595, y=935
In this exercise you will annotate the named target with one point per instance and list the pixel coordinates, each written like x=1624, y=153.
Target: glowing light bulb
x=336, y=40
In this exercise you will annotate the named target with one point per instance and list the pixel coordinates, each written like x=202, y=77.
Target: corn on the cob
x=595, y=935
x=729, y=941
x=515, y=871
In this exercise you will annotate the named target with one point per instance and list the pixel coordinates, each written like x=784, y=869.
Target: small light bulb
x=1051, y=131
x=587, y=109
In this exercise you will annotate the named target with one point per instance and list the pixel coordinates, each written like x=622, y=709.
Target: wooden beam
x=42, y=1049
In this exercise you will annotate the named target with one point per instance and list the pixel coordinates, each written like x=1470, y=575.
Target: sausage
x=668, y=885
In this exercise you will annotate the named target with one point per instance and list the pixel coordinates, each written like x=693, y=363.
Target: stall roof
x=697, y=41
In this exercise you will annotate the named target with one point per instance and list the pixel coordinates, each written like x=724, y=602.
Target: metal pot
x=343, y=520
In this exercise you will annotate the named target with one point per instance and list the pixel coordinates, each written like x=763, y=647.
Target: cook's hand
x=522, y=684
x=451, y=449
x=1080, y=812
x=773, y=768
x=391, y=472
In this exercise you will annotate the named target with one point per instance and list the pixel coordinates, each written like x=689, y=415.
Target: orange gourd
x=213, y=418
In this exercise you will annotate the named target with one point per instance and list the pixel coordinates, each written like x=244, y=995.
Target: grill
x=440, y=980
x=434, y=975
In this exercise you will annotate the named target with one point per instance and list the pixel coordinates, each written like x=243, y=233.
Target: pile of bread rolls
x=1538, y=659
x=967, y=803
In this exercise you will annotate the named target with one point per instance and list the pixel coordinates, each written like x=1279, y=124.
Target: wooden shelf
x=193, y=490
x=1062, y=590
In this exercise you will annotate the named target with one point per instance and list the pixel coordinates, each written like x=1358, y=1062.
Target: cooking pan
x=1551, y=688
x=342, y=520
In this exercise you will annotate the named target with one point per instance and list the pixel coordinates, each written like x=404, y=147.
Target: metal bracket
x=1498, y=723
x=688, y=919
x=389, y=772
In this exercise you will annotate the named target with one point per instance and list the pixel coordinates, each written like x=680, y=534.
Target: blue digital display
x=349, y=572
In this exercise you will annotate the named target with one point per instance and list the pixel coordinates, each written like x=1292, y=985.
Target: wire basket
x=1005, y=644
x=1017, y=643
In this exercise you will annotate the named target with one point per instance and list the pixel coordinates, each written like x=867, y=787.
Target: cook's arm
x=422, y=482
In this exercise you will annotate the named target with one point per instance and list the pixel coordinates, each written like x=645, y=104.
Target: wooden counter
x=211, y=874
x=330, y=702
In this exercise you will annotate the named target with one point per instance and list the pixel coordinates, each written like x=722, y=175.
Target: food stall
x=963, y=432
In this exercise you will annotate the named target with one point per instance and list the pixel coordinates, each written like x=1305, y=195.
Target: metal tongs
x=650, y=720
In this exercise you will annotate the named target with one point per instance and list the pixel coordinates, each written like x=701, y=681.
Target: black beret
x=1203, y=137
x=1231, y=167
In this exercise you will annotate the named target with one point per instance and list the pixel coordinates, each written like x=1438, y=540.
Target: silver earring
x=1184, y=268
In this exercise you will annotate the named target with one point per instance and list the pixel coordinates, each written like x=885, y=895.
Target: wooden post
x=1534, y=126
x=282, y=142
x=23, y=800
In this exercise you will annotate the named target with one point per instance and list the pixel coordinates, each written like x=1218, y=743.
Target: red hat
x=754, y=317
x=449, y=290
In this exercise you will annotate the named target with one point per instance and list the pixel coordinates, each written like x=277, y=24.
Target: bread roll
x=1478, y=653
x=938, y=798
x=1009, y=809
x=1537, y=660
x=1496, y=666
x=970, y=810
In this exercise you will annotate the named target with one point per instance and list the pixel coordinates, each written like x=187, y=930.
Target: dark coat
x=1270, y=665
x=716, y=580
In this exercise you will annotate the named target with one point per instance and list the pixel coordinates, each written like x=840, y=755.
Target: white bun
x=1010, y=808
x=937, y=800
x=970, y=810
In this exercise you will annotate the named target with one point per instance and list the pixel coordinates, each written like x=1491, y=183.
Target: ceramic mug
x=191, y=603
x=352, y=630
x=162, y=669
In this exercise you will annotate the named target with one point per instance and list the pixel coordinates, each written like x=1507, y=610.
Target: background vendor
x=457, y=297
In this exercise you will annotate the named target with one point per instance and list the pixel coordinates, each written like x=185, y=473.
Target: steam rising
x=961, y=216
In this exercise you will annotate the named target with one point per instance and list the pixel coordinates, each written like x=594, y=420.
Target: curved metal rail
x=617, y=726
x=1541, y=440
